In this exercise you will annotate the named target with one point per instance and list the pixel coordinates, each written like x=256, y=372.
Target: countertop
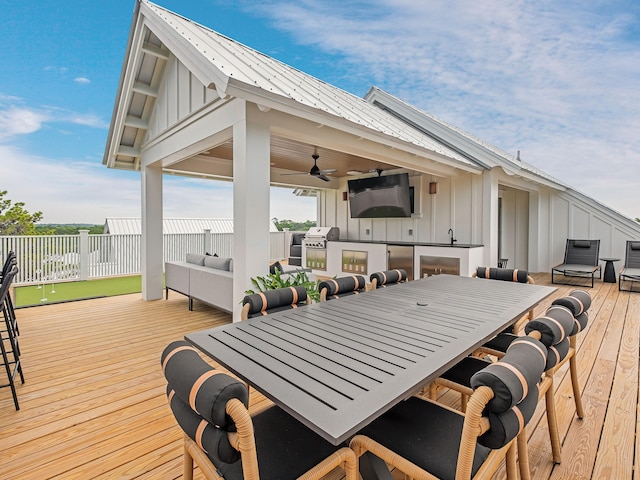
x=413, y=244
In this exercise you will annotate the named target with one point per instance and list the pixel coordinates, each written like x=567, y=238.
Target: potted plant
x=277, y=280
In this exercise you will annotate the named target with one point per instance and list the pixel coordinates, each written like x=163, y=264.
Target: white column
x=251, y=168
x=490, y=217
x=151, y=243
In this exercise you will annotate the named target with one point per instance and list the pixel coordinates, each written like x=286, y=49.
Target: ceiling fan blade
x=298, y=173
x=329, y=170
x=322, y=176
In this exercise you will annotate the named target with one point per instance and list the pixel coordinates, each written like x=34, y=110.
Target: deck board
x=93, y=405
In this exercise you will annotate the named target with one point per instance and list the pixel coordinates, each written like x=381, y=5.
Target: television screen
x=380, y=197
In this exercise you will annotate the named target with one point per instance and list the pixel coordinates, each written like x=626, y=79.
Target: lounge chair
x=580, y=260
x=631, y=270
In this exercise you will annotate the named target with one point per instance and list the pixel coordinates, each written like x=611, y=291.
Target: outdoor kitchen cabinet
x=430, y=265
x=354, y=262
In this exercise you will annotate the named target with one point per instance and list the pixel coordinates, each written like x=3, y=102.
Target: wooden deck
x=93, y=405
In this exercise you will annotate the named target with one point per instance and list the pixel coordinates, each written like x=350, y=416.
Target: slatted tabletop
x=338, y=365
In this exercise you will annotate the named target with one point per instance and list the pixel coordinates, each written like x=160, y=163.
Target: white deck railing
x=53, y=258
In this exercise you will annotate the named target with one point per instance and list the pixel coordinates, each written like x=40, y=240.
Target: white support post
x=207, y=240
x=83, y=254
x=151, y=245
x=251, y=179
x=490, y=218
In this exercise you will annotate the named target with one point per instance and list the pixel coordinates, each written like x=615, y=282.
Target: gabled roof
x=478, y=150
x=233, y=69
x=474, y=148
x=133, y=225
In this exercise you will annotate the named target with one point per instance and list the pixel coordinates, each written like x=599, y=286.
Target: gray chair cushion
x=214, y=441
x=505, y=274
x=220, y=263
x=389, y=276
x=426, y=434
x=340, y=286
x=262, y=303
x=556, y=325
x=583, y=297
x=506, y=426
x=199, y=385
x=198, y=396
x=515, y=375
x=582, y=243
x=556, y=353
x=196, y=258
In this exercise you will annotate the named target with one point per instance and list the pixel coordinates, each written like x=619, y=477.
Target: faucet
x=451, y=239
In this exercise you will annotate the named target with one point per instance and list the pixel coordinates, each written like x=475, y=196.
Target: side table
x=609, y=270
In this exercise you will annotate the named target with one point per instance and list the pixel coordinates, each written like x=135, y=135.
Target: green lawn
x=32, y=295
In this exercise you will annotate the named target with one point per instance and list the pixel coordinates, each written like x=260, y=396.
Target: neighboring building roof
x=133, y=226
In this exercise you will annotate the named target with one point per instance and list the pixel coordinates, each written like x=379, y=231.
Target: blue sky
x=558, y=81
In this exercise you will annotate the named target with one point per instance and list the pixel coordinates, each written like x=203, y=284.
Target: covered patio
x=193, y=102
x=94, y=406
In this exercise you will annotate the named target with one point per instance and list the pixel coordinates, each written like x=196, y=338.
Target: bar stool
x=8, y=342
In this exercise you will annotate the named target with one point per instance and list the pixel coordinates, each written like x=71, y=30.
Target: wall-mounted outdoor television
x=380, y=197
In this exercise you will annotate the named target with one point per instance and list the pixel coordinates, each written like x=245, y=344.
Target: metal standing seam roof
x=133, y=226
x=503, y=155
x=234, y=66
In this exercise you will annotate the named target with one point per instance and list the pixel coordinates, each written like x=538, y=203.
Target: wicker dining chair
x=226, y=442
x=270, y=301
x=421, y=437
x=557, y=330
x=340, y=287
x=508, y=275
x=387, y=277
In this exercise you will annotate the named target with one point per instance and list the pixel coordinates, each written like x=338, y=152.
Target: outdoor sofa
x=206, y=278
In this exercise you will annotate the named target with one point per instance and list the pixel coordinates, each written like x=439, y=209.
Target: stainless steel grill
x=317, y=237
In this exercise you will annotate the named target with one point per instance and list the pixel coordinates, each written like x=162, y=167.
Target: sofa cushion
x=195, y=258
x=220, y=263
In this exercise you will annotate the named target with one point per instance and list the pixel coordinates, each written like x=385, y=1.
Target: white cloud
x=56, y=69
x=556, y=80
x=87, y=119
x=75, y=191
x=20, y=121
x=82, y=80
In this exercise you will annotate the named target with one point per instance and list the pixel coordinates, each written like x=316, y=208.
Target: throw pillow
x=195, y=258
x=217, y=262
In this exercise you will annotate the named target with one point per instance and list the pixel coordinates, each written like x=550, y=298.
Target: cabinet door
x=354, y=261
x=430, y=265
x=316, y=259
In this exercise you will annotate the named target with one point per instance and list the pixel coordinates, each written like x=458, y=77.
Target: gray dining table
x=337, y=365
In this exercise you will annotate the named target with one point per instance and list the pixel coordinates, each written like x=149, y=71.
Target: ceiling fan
x=315, y=170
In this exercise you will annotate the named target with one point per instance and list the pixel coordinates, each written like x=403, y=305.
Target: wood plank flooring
x=93, y=404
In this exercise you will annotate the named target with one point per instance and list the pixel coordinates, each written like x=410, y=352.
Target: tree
x=294, y=226
x=14, y=219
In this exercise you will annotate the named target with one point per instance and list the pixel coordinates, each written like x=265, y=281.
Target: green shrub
x=276, y=280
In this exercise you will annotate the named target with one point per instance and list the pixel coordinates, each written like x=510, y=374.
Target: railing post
x=83, y=254
x=207, y=240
